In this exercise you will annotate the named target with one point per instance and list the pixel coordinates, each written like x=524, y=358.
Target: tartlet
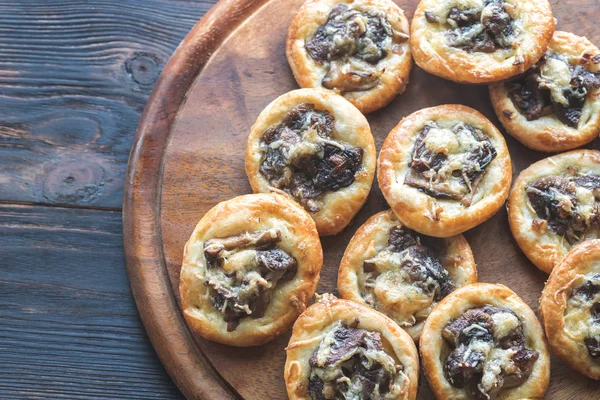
x=444, y=170
x=342, y=348
x=357, y=48
x=554, y=205
x=400, y=273
x=480, y=41
x=555, y=106
x=570, y=309
x=315, y=147
x=249, y=269
x=482, y=341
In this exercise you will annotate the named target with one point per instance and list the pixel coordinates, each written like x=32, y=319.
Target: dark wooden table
x=74, y=78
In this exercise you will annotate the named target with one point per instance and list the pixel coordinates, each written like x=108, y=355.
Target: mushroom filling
x=477, y=26
x=449, y=163
x=300, y=157
x=554, y=86
x=351, y=364
x=242, y=272
x=488, y=352
x=351, y=43
x=582, y=315
x=567, y=204
x=405, y=280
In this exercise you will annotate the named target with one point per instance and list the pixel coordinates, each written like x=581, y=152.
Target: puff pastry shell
x=350, y=126
x=568, y=275
x=426, y=214
x=393, y=70
x=434, y=349
x=532, y=19
x=250, y=213
x=370, y=239
x=548, y=133
x=322, y=317
x=543, y=247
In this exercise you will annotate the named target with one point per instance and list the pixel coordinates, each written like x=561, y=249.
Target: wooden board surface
x=74, y=79
x=75, y=76
x=69, y=327
x=189, y=155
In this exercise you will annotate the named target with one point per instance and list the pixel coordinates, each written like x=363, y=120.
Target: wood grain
x=74, y=78
x=189, y=155
x=69, y=326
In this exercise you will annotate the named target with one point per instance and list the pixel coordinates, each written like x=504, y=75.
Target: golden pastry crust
x=350, y=126
x=250, y=213
x=320, y=318
x=426, y=214
x=393, y=70
x=543, y=247
x=548, y=133
x=370, y=239
x=430, y=48
x=432, y=346
x=582, y=260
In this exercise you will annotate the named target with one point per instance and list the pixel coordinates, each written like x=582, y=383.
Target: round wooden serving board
x=188, y=155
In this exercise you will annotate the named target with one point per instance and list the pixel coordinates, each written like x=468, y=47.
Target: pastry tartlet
x=400, y=273
x=249, y=269
x=482, y=341
x=357, y=48
x=444, y=170
x=555, y=106
x=317, y=148
x=570, y=309
x=340, y=349
x=480, y=41
x=554, y=204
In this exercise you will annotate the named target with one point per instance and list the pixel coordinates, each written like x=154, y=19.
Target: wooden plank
x=74, y=78
x=69, y=328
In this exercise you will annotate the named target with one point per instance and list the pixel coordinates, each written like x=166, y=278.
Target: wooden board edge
x=149, y=280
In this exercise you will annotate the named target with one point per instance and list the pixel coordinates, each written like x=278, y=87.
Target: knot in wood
x=143, y=69
x=74, y=182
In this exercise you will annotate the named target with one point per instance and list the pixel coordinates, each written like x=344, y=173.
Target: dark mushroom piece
x=349, y=81
x=213, y=247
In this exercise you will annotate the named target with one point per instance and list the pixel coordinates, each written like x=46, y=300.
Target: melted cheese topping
x=325, y=347
x=399, y=298
x=443, y=8
x=585, y=204
x=557, y=77
x=309, y=145
x=442, y=140
x=457, y=148
x=240, y=261
x=504, y=323
x=394, y=294
x=499, y=360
